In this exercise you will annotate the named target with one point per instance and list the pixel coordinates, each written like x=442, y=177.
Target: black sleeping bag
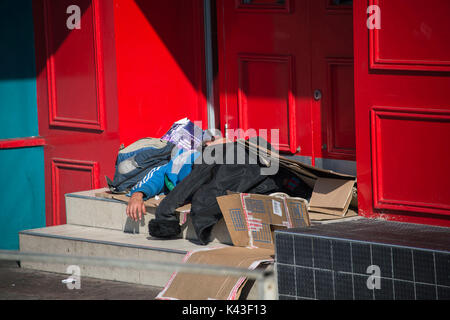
x=203, y=185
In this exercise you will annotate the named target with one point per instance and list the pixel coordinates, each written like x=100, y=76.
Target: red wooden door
x=77, y=105
x=273, y=55
x=403, y=110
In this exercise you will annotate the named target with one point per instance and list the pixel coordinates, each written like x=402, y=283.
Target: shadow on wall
x=18, y=112
x=17, y=39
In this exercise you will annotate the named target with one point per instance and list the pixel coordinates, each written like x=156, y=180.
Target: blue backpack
x=135, y=161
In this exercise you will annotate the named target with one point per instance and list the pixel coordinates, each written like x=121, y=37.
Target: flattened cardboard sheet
x=194, y=286
x=318, y=216
x=331, y=196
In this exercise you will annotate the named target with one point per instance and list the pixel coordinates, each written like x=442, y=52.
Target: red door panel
x=75, y=67
x=417, y=42
x=402, y=105
x=338, y=109
x=264, y=70
x=410, y=132
x=256, y=98
x=67, y=176
x=77, y=105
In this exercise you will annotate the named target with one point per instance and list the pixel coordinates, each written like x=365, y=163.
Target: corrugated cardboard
x=317, y=216
x=332, y=191
x=331, y=196
x=249, y=217
x=191, y=286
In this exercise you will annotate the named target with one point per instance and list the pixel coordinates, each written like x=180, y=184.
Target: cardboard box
x=333, y=192
x=252, y=218
x=251, y=221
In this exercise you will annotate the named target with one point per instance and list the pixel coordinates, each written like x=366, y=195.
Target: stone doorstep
x=86, y=209
x=98, y=242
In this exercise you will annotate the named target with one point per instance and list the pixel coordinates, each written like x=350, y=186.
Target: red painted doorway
x=77, y=103
x=288, y=65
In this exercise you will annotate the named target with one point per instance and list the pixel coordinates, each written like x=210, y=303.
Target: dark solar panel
x=331, y=261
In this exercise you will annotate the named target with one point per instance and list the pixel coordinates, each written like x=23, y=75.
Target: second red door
x=288, y=65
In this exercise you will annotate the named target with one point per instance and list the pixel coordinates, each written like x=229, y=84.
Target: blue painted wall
x=22, y=198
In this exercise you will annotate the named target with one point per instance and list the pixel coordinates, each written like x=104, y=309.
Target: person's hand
x=136, y=206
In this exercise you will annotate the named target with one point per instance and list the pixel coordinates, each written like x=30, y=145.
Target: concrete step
x=86, y=209
x=98, y=242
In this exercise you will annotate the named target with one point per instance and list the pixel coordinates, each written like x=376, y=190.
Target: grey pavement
x=23, y=284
